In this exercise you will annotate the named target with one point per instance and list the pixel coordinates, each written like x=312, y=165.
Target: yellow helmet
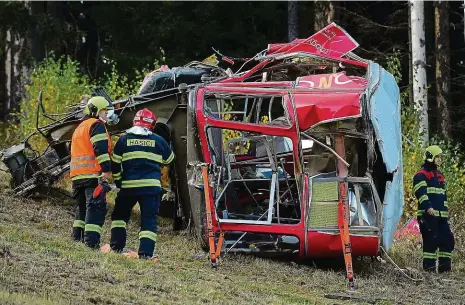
x=95, y=104
x=432, y=152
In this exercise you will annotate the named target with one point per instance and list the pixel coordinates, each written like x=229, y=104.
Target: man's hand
x=105, y=177
x=430, y=211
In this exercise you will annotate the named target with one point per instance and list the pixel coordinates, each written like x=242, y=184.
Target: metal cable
x=400, y=269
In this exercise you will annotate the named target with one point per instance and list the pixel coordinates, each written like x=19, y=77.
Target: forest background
x=64, y=48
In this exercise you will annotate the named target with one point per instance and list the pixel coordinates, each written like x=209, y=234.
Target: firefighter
x=433, y=213
x=136, y=162
x=91, y=165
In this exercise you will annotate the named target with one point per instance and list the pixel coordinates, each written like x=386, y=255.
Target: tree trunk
x=441, y=29
x=35, y=39
x=16, y=70
x=410, y=66
x=3, y=53
x=325, y=13
x=419, y=65
x=15, y=73
x=292, y=20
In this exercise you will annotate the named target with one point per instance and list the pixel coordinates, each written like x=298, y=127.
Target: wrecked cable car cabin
x=300, y=153
x=278, y=153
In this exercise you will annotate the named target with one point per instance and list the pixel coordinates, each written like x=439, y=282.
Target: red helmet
x=145, y=118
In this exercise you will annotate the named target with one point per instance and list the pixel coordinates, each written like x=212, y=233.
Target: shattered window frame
x=279, y=176
x=256, y=114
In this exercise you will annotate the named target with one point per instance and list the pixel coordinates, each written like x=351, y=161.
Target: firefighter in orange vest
x=91, y=165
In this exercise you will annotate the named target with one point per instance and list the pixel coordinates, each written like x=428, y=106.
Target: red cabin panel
x=313, y=109
x=324, y=245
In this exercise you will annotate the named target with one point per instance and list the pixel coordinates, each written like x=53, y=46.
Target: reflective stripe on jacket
x=136, y=163
x=429, y=188
x=84, y=161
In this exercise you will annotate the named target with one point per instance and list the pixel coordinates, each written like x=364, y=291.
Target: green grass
x=41, y=265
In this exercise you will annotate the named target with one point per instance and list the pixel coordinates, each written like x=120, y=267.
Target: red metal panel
x=330, y=81
x=320, y=81
x=332, y=40
x=296, y=230
x=325, y=245
x=274, y=85
x=303, y=213
x=313, y=109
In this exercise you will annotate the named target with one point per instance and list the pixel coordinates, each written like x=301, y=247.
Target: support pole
x=344, y=214
x=208, y=208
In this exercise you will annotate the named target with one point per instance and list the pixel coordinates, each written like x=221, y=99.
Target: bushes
x=452, y=167
x=62, y=85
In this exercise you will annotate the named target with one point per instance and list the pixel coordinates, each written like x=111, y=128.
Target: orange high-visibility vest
x=83, y=160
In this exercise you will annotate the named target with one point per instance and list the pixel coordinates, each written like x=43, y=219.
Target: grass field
x=41, y=265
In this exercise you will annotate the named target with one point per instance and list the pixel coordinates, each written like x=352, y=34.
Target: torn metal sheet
x=384, y=107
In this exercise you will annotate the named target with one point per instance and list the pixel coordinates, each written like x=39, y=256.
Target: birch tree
x=442, y=46
x=419, y=65
x=325, y=13
x=15, y=69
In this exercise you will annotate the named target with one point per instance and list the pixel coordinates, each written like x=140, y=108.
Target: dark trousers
x=437, y=236
x=89, y=217
x=149, y=208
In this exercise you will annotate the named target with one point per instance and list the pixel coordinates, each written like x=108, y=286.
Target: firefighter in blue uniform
x=433, y=212
x=136, y=170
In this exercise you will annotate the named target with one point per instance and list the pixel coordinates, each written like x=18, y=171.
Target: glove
x=101, y=190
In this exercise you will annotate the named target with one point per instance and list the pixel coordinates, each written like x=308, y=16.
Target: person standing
x=90, y=165
x=429, y=186
x=136, y=162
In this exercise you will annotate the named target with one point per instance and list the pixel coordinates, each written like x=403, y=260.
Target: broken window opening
x=380, y=173
x=356, y=155
x=356, y=147
x=255, y=109
x=257, y=183
x=362, y=205
x=317, y=158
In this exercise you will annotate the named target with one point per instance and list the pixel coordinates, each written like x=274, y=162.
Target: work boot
x=78, y=234
x=153, y=258
x=444, y=266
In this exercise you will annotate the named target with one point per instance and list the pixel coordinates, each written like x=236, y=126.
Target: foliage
x=62, y=84
x=120, y=85
x=413, y=153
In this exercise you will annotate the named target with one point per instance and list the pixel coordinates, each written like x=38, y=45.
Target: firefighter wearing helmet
x=137, y=158
x=90, y=165
x=433, y=213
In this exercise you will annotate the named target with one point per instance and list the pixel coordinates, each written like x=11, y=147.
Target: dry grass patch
x=39, y=263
